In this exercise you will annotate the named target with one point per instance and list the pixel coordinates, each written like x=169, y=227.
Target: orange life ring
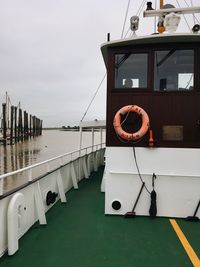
x=131, y=136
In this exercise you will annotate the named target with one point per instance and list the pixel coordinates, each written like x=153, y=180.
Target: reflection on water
x=51, y=144
x=18, y=156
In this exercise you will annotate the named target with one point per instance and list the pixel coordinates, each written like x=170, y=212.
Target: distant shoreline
x=61, y=129
x=68, y=129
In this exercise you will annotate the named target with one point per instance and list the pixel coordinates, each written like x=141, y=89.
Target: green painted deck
x=78, y=234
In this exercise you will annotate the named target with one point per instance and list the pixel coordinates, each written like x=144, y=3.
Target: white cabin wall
x=177, y=161
x=177, y=184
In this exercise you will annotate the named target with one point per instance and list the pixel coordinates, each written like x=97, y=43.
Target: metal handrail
x=31, y=167
x=49, y=160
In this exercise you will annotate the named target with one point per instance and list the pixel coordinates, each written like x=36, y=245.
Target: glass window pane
x=131, y=70
x=174, y=70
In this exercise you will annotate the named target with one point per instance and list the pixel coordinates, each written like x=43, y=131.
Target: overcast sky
x=50, y=58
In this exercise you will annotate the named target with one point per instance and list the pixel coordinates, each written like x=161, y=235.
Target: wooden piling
x=11, y=124
x=33, y=126
x=30, y=126
x=24, y=126
x=20, y=126
x=40, y=127
x=37, y=127
x=25, y=129
x=15, y=116
x=4, y=124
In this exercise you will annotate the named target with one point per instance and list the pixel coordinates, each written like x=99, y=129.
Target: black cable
x=134, y=153
x=126, y=14
x=183, y=15
x=126, y=115
x=99, y=86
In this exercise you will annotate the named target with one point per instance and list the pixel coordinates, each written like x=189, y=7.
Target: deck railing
x=60, y=161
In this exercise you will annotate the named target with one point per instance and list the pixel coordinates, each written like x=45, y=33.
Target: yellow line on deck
x=189, y=250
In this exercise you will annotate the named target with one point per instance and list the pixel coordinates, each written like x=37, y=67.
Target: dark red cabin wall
x=163, y=108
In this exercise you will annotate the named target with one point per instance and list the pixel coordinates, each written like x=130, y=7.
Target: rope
x=195, y=18
x=193, y=13
x=93, y=97
x=99, y=86
x=125, y=18
x=141, y=8
x=134, y=153
x=137, y=14
x=183, y=15
x=127, y=33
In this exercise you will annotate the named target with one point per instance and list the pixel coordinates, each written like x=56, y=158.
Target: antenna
x=164, y=12
x=169, y=16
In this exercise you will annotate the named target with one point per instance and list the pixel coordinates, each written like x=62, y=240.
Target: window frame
x=150, y=51
x=132, y=51
x=134, y=88
x=181, y=47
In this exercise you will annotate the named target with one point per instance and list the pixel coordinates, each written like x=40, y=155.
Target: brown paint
x=163, y=108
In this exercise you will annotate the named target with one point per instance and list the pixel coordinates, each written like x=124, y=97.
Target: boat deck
x=79, y=234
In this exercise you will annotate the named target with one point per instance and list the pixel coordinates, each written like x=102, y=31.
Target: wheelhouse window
x=174, y=70
x=131, y=70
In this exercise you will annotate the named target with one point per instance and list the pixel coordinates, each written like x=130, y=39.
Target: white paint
x=94, y=159
x=61, y=187
x=93, y=124
x=84, y=166
x=39, y=204
x=15, y=217
x=177, y=184
x=162, y=12
x=74, y=176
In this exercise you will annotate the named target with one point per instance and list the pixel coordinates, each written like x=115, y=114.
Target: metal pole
x=92, y=139
x=80, y=138
x=101, y=137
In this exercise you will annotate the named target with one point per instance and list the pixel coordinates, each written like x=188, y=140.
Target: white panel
x=172, y=161
x=177, y=184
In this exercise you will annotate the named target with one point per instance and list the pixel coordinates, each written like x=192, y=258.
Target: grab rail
x=31, y=167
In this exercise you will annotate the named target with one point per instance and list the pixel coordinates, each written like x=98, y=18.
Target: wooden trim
x=197, y=59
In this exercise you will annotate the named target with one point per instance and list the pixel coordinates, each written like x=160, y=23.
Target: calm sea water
x=52, y=143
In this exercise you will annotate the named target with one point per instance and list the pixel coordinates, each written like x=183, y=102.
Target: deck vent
x=116, y=205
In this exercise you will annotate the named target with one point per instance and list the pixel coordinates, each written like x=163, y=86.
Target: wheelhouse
x=159, y=73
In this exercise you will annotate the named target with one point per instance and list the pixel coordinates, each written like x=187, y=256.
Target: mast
x=161, y=3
